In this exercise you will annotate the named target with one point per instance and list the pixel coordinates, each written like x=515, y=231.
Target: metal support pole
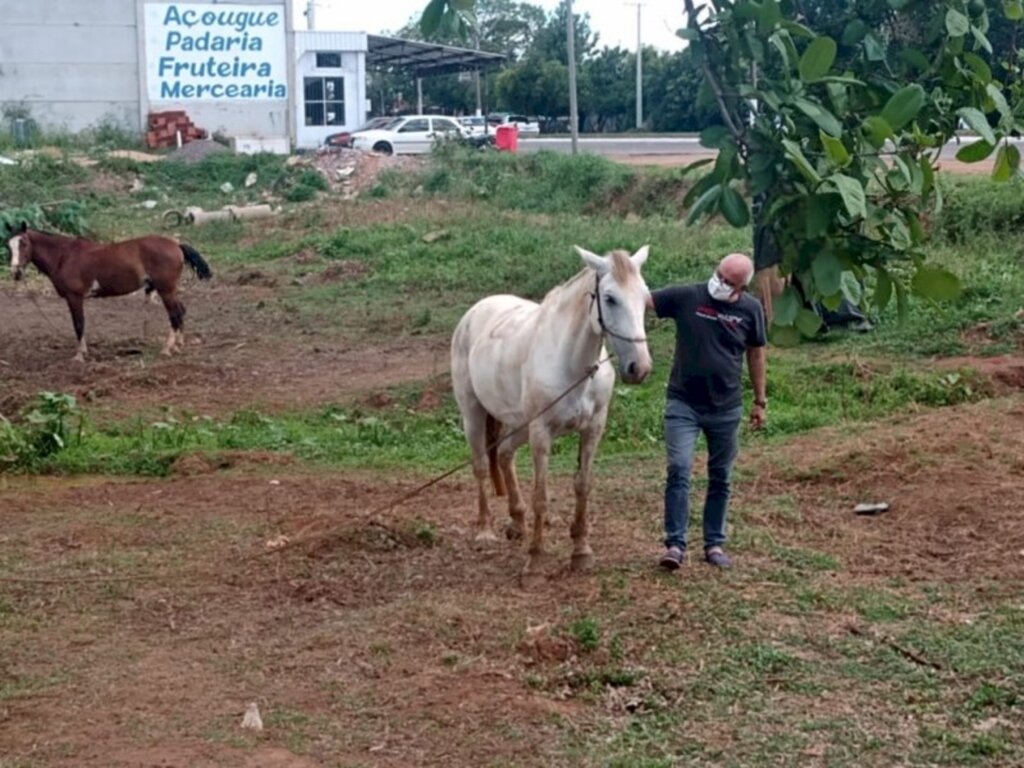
x=571, y=46
x=639, y=73
x=639, y=69
x=419, y=95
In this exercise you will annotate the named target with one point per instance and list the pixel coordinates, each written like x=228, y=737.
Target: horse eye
x=610, y=300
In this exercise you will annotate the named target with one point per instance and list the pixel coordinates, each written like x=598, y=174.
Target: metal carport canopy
x=421, y=59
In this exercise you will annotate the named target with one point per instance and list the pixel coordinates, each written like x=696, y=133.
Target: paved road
x=676, y=145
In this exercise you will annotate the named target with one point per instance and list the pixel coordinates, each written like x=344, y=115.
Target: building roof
x=421, y=59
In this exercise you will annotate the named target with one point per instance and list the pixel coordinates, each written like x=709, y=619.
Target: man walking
x=717, y=324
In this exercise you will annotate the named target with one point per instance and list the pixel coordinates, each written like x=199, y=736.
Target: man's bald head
x=736, y=269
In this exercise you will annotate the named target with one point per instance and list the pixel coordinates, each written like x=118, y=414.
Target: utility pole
x=571, y=46
x=476, y=77
x=311, y=15
x=639, y=70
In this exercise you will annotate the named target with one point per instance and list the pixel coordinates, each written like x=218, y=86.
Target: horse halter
x=595, y=297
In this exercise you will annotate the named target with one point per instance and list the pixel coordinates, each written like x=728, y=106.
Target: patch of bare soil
x=1006, y=372
x=375, y=643
x=352, y=171
x=953, y=477
x=372, y=634
x=245, y=349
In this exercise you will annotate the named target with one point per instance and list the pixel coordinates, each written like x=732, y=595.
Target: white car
x=411, y=135
x=475, y=124
x=526, y=126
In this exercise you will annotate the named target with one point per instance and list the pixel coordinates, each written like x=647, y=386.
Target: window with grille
x=325, y=100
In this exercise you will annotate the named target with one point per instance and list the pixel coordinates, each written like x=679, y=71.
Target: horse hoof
x=513, y=532
x=485, y=537
x=582, y=562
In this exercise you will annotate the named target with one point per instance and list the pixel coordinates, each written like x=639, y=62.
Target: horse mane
x=622, y=270
x=59, y=235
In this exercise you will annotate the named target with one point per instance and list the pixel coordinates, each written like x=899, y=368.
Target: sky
x=613, y=20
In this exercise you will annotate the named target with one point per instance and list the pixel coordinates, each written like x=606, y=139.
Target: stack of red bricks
x=165, y=126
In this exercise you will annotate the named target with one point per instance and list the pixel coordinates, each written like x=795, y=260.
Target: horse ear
x=598, y=263
x=24, y=227
x=640, y=256
x=8, y=227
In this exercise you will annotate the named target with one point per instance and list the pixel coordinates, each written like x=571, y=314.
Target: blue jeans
x=683, y=426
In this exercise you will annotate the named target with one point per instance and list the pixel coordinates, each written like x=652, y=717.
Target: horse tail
x=493, y=434
x=197, y=262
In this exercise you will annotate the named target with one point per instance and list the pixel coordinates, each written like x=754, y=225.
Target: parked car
x=344, y=138
x=476, y=124
x=526, y=126
x=410, y=135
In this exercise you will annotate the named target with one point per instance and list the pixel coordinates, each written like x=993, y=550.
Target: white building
x=240, y=69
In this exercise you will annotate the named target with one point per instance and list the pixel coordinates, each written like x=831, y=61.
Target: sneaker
x=716, y=556
x=673, y=558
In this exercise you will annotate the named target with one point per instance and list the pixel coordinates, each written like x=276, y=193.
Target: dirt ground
x=156, y=611
x=243, y=351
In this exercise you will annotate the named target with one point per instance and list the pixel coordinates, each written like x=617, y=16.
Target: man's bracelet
x=761, y=403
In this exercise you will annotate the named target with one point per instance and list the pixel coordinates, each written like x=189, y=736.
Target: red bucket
x=506, y=138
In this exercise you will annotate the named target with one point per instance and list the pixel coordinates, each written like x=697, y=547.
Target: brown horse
x=80, y=268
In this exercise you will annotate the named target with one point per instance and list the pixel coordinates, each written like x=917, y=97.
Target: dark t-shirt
x=711, y=340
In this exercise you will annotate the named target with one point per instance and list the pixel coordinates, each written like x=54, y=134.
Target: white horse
x=512, y=358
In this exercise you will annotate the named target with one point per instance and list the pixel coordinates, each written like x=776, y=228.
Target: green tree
x=673, y=89
x=836, y=113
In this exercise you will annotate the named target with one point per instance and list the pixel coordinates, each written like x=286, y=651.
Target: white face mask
x=718, y=289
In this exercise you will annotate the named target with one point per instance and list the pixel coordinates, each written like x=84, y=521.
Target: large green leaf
x=817, y=59
x=1013, y=9
x=703, y=185
x=957, y=23
x=797, y=157
x=903, y=106
x=980, y=67
x=820, y=214
x=873, y=48
x=431, y=19
x=828, y=273
x=734, y=207
x=883, y=288
x=715, y=136
x=706, y=203
x=981, y=39
x=770, y=15
x=916, y=59
x=935, y=283
x=808, y=323
x=854, y=32
x=821, y=116
x=995, y=93
x=976, y=119
x=786, y=306
x=1007, y=162
x=852, y=193
x=877, y=130
x=975, y=151
x=851, y=288
x=835, y=150
x=785, y=335
x=695, y=165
